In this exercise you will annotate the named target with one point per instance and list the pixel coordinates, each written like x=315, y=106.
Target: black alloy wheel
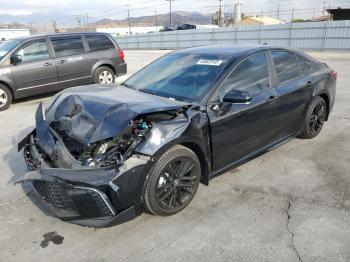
x=173, y=181
x=315, y=118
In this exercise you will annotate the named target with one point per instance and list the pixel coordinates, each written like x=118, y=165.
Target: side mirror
x=15, y=59
x=237, y=96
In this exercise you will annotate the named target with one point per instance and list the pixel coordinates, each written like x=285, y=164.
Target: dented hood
x=97, y=112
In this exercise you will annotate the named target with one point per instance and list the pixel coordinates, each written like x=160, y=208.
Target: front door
x=238, y=129
x=36, y=73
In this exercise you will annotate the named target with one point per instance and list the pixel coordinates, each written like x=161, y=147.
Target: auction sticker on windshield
x=211, y=62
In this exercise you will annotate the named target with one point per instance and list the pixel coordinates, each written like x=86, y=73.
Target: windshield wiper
x=128, y=86
x=147, y=91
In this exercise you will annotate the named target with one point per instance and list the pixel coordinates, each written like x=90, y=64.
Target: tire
x=5, y=98
x=165, y=180
x=315, y=118
x=104, y=75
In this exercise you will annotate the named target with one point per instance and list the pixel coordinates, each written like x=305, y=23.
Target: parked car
x=100, y=154
x=47, y=63
x=167, y=29
x=186, y=27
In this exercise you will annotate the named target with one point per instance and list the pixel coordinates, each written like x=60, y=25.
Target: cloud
x=118, y=9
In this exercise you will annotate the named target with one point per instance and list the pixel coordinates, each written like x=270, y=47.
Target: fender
x=192, y=134
x=7, y=81
x=107, y=62
x=320, y=89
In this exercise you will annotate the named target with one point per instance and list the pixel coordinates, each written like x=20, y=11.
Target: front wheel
x=173, y=181
x=5, y=98
x=104, y=75
x=314, y=119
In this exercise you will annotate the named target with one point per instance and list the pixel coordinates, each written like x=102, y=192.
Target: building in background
x=237, y=17
x=339, y=13
x=254, y=20
x=12, y=33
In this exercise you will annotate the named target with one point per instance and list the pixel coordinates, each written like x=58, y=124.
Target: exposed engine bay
x=107, y=152
x=111, y=151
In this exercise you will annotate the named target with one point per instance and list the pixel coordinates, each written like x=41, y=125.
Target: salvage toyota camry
x=100, y=154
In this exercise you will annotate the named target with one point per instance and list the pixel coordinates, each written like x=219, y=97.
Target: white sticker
x=210, y=62
x=74, y=59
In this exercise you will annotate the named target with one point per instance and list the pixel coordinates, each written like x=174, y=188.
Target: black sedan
x=101, y=154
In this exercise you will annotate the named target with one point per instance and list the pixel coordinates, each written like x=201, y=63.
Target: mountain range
x=38, y=20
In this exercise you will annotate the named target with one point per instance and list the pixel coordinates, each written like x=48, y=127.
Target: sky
x=118, y=8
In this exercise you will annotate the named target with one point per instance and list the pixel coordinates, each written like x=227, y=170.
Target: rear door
x=293, y=86
x=101, y=50
x=72, y=67
x=237, y=129
x=37, y=71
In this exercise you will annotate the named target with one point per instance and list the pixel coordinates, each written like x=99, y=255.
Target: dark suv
x=48, y=63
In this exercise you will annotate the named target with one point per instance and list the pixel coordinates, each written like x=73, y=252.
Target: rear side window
x=251, y=75
x=286, y=65
x=304, y=65
x=67, y=46
x=99, y=42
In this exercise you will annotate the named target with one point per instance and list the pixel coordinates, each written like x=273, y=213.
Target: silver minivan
x=48, y=63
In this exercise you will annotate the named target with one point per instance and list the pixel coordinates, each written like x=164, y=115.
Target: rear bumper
x=121, y=69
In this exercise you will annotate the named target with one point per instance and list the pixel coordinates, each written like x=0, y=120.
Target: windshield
x=181, y=76
x=7, y=46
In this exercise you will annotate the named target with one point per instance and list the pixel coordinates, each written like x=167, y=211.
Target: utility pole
x=324, y=7
x=129, y=21
x=156, y=19
x=54, y=26
x=278, y=12
x=170, y=24
x=87, y=19
x=221, y=13
x=78, y=18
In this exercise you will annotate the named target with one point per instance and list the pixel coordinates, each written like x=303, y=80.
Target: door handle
x=62, y=61
x=48, y=64
x=271, y=99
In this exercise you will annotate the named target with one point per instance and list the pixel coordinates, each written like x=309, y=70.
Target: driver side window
x=251, y=75
x=34, y=51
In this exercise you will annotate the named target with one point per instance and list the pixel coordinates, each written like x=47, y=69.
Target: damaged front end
x=87, y=177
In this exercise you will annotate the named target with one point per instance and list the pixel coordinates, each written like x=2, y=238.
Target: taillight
x=121, y=55
x=334, y=74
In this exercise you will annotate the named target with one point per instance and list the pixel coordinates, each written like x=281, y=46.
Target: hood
x=97, y=112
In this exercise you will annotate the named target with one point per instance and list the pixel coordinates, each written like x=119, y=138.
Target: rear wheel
x=5, y=98
x=173, y=181
x=104, y=75
x=315, y=117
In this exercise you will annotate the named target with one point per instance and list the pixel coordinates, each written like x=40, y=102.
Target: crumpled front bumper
x=96, y=197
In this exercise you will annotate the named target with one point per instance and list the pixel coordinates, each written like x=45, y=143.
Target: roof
x=234, y=51
x=266, y=20
x=55, y=34
x=229, y=50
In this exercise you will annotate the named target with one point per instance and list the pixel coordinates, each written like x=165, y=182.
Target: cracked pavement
x=290, y=204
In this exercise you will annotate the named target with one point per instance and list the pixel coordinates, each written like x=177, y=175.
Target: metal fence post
x=236, y=35
x=325, y=36
x=177, y=39
x=290, y=29
x=260, y=31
